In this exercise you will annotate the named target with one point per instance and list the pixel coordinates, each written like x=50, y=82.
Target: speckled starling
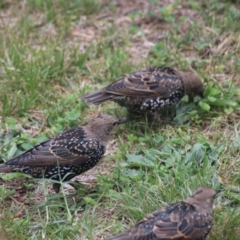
x=67, y=154
x=150, y=90
x=190, y=219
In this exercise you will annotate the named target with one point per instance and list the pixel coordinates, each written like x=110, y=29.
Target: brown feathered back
x=148, y=83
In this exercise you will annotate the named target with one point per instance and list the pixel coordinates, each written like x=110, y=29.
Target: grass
x=54, y=52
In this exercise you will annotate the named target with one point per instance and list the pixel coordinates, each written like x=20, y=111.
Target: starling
x=190, y=219
x=67, y=154
x=149, y=91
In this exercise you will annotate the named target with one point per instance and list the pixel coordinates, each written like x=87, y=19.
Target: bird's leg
x=173, y=112
x=56, y=187
x=74, y=184
x=79, y=186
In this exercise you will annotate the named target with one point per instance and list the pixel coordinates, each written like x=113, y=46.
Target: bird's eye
x=198, y=192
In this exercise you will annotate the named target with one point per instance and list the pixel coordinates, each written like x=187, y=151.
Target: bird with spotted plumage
x=67, y=154
x=190, y=219
x=149, y=91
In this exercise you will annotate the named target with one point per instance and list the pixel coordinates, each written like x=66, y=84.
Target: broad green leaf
x=12, y=151
x=139, y=160
x=204, y=106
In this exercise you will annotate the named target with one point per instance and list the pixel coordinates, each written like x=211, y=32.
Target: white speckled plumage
x=67, y=154
x=150, y=90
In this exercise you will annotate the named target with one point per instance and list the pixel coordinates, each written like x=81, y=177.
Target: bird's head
x=204, y=193
x=202, y=198
x=192, y=84
x=103, y=124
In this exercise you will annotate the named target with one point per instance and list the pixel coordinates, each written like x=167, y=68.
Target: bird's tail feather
x=4, y=168
x=97, y=97
x=123, y=236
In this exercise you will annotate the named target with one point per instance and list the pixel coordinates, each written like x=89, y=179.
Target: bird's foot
x=56, y=187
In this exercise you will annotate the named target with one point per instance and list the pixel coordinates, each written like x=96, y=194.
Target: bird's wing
x=166, y=225
x=182, y=223
x=148, y=229
x=67, y=148
x=153, y=82
x=195, y=226
x=143, y=230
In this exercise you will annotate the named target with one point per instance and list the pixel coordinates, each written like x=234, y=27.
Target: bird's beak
x=122, y=120
x=218, y=191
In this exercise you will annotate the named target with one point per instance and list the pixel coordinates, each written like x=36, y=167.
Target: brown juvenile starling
x=67, y=154
x=150, y=90
x=190, y=219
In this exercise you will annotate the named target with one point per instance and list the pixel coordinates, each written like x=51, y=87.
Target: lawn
x=53, y=52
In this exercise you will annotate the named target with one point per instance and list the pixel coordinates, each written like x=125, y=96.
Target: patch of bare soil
x=18, y=194
x=152, y=27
